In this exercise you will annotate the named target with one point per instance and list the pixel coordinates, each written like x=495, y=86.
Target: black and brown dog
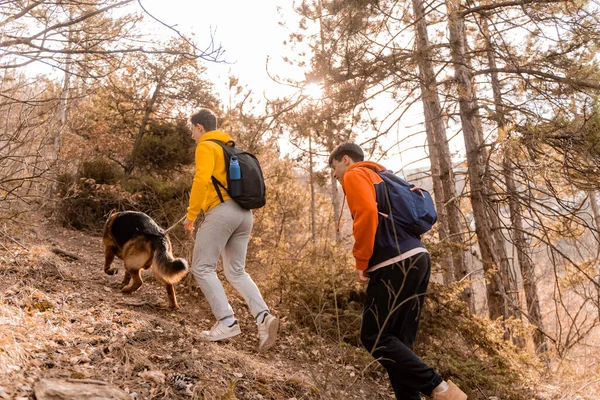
x=136, y=239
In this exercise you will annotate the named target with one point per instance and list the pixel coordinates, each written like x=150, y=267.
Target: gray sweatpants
x=225, y=231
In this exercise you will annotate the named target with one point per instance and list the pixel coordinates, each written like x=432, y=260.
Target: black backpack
x=253, y=192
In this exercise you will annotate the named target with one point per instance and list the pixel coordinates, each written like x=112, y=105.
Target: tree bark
x=496, y=295
x=335, y=200
x=313, y=212
x=62, y=111
x=444, y=182
x=448, y=269
x=594, y=203
x=335, y=197
x=147, y=112
x=517, y=232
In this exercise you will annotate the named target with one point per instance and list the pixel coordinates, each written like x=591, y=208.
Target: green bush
x=64, y=182
x=469, y=349
x=164, y=149
x=165, y=199
x=318, y=292
x=87, y=204
x=102, y=172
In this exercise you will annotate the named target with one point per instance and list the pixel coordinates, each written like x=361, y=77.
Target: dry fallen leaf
x=154, y=376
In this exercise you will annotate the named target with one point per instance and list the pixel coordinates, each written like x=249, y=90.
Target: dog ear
x=111, y=213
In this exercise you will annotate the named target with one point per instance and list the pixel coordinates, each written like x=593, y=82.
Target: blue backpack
x=412, y=211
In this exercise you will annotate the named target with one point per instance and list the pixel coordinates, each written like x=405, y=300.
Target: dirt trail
x=63, y=317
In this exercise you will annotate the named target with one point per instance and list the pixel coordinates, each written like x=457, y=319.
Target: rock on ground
x=59, y=389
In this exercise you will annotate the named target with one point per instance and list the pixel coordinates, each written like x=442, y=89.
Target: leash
x=175, y=224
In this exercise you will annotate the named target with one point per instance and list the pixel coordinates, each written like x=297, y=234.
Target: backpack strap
x=214, y=180
x=229, y=143
x=389, y=202
x=216, y=184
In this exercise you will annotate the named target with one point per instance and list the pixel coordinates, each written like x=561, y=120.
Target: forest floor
x=62, y=317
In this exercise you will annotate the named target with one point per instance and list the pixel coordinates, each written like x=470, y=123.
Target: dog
x=136, y=239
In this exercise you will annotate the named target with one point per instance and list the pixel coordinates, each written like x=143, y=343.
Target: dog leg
x=135, y=284
x=126, y=279
x=109, y=256
x=172, y=299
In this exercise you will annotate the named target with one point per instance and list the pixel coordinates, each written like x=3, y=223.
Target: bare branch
x=523, y=71
x=495, y=6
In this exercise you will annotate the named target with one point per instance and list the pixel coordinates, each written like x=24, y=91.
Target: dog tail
x=165, y=267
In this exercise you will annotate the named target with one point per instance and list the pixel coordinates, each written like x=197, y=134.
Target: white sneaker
x=220, y=331
x=267, y=332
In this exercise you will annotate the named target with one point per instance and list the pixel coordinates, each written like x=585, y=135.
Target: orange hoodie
x=358, y=185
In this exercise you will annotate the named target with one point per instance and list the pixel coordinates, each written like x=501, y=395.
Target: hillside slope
x=62, y=317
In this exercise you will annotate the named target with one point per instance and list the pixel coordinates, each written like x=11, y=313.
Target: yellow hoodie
x=210, y=161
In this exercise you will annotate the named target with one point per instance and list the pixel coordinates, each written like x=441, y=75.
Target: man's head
x=343, y=157
x=203, y=121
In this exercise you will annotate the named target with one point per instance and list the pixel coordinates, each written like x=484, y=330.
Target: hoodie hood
x=216, y=135
x=368, y=164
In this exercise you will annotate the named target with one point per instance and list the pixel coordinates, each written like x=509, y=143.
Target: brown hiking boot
x=453, y=393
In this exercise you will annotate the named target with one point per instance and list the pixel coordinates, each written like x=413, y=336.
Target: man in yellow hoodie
x=397, y=266
x=224, y=231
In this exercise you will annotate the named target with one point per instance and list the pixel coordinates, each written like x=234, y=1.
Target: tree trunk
x=313, y=212
x=527, y=268
x=516, y=218
x=147, y=112
x=596, y=213
x=444, y=183
x=496, y=295
x=335, y=197
x=62, y=112
x=448, y=271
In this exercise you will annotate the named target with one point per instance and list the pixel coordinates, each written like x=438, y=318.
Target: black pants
x=395, y=296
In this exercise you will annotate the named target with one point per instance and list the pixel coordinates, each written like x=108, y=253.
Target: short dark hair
x=349, y=149
x=206, y=118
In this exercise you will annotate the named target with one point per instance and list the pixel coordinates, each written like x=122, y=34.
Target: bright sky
x=249, y=31
x=252, y=31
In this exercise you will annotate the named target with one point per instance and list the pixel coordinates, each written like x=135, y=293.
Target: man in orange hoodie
x=396, y=266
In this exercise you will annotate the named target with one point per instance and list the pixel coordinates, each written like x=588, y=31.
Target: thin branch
x=494, y=6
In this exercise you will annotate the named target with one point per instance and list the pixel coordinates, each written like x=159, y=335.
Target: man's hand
x=360, y=276
x=188, y=225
